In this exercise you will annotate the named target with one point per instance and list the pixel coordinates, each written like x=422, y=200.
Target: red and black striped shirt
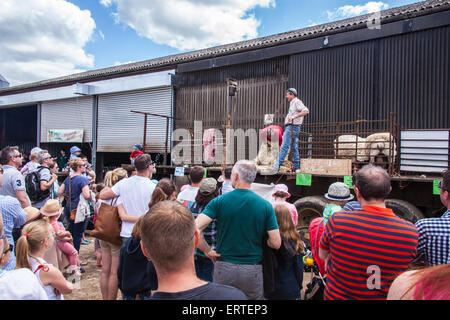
x=368, y=249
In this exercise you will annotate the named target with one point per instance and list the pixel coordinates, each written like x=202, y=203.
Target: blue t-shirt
x=76, y=185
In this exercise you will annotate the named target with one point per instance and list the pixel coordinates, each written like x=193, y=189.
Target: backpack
x=33, y=186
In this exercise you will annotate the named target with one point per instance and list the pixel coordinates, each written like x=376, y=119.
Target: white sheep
x=378, y=144
x=345, y=147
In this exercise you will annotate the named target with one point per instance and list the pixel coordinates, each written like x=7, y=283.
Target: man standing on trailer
x=292, y=123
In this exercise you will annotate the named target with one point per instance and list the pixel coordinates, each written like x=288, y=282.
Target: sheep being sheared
x=345, y=147
x=269, y=148
x=378, y=144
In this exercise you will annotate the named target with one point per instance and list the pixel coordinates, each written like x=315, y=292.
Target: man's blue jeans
x=286, y=144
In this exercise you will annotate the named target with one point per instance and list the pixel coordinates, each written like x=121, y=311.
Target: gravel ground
x=89, y=286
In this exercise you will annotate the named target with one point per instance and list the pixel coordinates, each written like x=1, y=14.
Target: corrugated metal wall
x=202, y=95
x=119, y=129
x=75, y=113
x=408, y=74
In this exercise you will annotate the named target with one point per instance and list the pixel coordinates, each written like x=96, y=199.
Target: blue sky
x=43, y=39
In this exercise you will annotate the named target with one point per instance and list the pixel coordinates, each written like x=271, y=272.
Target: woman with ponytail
x=38, y=237
x=110, y=251
x=165, y=190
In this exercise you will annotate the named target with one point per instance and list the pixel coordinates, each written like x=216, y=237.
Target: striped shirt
x=13, y=217
x=434, y=239
x=367, y=250
x=352, y=206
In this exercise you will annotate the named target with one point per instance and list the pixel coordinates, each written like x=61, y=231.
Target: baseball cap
x=208, y=186
x=293, y=91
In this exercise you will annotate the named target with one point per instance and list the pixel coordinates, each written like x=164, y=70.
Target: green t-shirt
x=243, y=218
x=329, y=210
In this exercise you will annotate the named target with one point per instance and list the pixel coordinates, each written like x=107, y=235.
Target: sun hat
x=31, y=212
x=51, y=208
x=74, y=149
x=338, y=191
x=208, y=186
x=35, y=150
x=281, y=187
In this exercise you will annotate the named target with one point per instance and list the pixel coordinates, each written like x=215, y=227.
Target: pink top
x=57, y=226
x=429, y=293
x=292, y=209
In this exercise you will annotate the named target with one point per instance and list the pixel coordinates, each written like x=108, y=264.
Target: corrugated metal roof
x=390, y=15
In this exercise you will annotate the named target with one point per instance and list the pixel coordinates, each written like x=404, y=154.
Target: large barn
x=369, y=66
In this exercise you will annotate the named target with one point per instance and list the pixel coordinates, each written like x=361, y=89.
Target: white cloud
x=348, y=11
x=106, y=3
x=190, y=24
x=118, y=63
x=43, y=39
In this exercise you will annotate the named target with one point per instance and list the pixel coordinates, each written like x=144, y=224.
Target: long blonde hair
x=31, y=240
x=114, y=176
x=287, y=228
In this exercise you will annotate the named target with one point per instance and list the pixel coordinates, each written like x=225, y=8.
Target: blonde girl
x=38, y=237
x=110, y=252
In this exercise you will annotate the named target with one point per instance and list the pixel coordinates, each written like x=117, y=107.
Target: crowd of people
x=211, y=239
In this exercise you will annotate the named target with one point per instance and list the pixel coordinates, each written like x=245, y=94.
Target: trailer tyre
x=309, y=208
x=404, y=210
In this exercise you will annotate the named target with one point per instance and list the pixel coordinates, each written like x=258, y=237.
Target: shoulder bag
x=108, y=224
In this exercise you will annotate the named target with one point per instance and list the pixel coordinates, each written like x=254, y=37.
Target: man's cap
x=207, y=186
x=293, y=91
x=137, y=146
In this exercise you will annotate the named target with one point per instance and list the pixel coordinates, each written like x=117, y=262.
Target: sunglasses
x=10, y=248
x=18, y=155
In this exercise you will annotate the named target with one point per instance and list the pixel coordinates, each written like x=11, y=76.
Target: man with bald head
x=365, y=250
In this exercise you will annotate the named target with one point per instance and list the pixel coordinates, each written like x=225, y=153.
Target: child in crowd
x=338, y=195
x=137, y=151
x=52, y=211
x=136, y=274
x=280, y=195
x=289, y=271
x=36, y=239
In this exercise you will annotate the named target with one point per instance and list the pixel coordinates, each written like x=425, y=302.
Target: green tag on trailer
x=436, y=187
x=303, y=179
x=348, y=181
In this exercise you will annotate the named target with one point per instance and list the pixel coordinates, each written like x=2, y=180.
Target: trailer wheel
x=404, y=210
x=309, y=208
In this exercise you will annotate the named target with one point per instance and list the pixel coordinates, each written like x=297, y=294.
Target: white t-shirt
x=20, y=284
x=135, y=194
x=187, y=196
x=295, y=107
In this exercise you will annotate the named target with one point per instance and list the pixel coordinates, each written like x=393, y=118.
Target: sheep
x=378, y=144
x=345, y=147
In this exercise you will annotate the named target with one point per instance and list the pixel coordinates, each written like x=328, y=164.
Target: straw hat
x=51, y=208
x=31, y=212
x=338, y=191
